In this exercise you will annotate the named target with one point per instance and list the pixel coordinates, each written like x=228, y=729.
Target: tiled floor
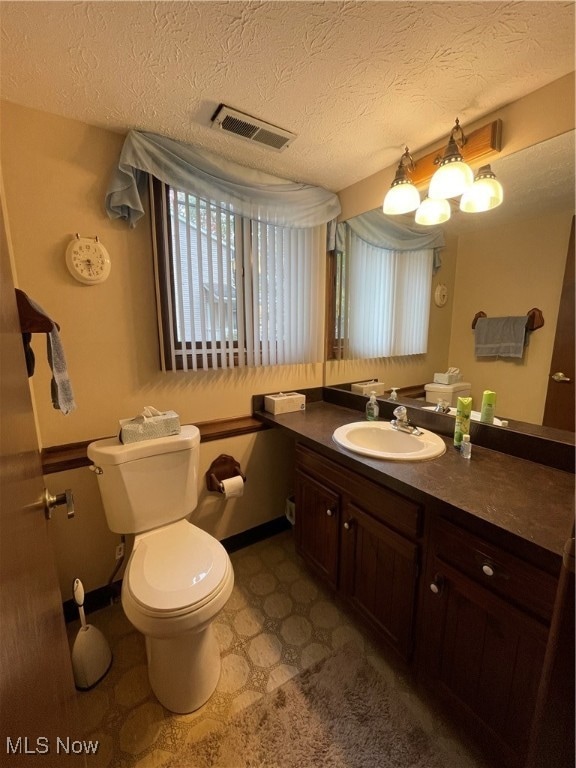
x=278, y=621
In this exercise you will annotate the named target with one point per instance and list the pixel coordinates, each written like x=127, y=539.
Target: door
x=37, y=695
x=559, y=408
x=317, y=520
x=484, y=657
x=379, y=577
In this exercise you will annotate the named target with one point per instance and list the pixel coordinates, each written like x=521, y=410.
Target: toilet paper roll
x=232, y=487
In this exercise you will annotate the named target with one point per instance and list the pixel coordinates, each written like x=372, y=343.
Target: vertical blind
x=383, y=300
x=240, y=292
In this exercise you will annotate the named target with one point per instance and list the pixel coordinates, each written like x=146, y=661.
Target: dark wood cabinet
x=476, y=625
x=483, y=638
x=362, y=539
x=317, y=529
x=379, y=570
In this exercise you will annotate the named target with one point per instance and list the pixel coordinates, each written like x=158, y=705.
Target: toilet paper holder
x=222, y=468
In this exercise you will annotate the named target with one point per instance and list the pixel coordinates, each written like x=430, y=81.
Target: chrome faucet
x=402, y=422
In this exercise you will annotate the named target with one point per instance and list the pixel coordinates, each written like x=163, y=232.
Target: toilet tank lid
x=112, y=451
x=458, y=387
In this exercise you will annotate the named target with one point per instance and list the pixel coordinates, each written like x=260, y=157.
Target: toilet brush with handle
x=91, y=654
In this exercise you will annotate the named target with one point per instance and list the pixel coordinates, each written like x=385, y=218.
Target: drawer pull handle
x=347, y=526
x=329, y=512
x=487, y=570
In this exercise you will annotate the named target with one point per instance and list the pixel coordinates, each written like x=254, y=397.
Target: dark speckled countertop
x=524, y=498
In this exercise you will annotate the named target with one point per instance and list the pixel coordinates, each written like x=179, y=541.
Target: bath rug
x=340, y=713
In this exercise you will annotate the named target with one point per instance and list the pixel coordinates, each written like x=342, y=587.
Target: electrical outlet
x=120, y=551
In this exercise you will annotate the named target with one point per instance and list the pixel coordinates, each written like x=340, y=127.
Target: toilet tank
x=147, y=484
x=448, y=392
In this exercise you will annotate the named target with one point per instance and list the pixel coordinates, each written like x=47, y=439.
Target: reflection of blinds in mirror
x=382, y=300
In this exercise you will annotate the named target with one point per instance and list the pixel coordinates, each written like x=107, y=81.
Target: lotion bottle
x=372, y=408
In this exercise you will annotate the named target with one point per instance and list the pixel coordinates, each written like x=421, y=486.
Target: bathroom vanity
x=453, y=564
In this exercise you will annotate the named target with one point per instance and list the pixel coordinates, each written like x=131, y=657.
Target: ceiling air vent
x=252, y=129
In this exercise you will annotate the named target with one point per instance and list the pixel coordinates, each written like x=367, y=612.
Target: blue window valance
x=377, y=230
x=250, y=193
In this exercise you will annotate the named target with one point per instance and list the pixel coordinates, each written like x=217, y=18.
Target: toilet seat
x=176, y=570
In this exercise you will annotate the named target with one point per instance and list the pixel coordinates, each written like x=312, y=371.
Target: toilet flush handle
x=51, y=502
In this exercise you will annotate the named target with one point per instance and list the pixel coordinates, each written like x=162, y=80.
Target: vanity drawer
x=504, y=574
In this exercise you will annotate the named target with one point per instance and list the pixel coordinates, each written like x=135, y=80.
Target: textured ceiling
x=355, y=80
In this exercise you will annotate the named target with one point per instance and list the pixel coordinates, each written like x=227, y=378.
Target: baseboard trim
x=103, y=596
x=253, y=535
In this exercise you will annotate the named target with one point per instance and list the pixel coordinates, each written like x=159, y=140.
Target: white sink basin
x=474, y=415
x=380, y=440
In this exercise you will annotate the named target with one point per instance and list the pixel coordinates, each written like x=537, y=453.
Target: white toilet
x=178, y=577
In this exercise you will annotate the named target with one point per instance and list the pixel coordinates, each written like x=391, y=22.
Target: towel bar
x=32, y=321
x=534, y=319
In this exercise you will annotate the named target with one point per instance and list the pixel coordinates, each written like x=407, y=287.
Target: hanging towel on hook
x=500, y=336
x=60, y=387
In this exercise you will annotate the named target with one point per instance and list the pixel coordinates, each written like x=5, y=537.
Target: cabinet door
x=485, y=658
x=379, y=575
x=317, y=520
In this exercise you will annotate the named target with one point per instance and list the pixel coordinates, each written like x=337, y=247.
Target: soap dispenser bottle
x=372, y=408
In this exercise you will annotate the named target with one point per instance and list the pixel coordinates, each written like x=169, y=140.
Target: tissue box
x=149, y=427
x=447, y=378
x=365, y=387
x=284, y=402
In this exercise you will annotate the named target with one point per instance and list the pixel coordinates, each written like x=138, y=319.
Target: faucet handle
x=400, y=413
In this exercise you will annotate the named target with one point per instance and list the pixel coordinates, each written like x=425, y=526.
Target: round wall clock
x=440, y=295
x=88, y=260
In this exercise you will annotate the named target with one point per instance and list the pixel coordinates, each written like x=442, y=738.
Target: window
x=233, y=291
x=381, y=302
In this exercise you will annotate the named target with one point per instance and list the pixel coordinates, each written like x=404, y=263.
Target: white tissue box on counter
x=447, y=378
x=149, y=425
x=284, y=402
x=366, y=387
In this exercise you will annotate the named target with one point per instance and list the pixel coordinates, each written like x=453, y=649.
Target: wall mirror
x=537, y=180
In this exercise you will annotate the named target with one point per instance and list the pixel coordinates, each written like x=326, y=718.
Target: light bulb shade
x=433, y=211
x=402, y=197
x=486, y=193
x=451, y=179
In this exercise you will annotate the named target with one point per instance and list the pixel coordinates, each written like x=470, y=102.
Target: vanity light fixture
x=485, y=193
x=402, y=197
x=431, y=211
x=453, y=176
x=448, y=176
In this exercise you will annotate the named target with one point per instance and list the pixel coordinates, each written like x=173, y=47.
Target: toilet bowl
x=177, y=580
x=178, y=577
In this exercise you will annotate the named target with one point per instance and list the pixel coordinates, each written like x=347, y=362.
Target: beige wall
x=508, y=270
x=55, y=174
x=528, y=256
x=537, y=117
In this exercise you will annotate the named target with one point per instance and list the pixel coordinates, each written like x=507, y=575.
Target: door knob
x=51, y=502
x=559, y=376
